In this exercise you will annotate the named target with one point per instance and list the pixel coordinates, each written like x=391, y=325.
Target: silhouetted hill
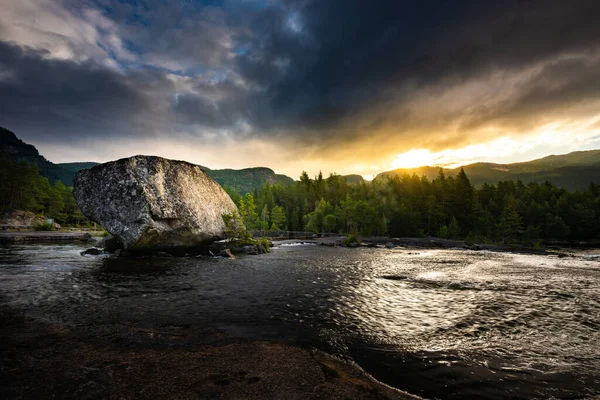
x=571, y=171
x=15, y=149
x=243, y=180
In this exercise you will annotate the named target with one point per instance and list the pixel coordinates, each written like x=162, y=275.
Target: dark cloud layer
x=311, y=72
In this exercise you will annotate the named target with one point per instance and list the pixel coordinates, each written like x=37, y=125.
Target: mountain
x=353, y=179
x=571, y=171
x=247, y=179
x=72, y=168
x=15, y=149
x=242, y=180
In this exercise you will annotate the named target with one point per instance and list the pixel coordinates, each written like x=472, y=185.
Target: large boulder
x=153, y=203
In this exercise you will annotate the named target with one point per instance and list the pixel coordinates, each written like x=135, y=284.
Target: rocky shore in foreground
x=44, y=360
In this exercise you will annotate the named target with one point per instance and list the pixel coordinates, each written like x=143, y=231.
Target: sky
x=343, y=86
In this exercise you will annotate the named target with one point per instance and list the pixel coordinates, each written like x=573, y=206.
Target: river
x=438, y=323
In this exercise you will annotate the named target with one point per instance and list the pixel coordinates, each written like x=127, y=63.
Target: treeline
x=23, y=188
x=413, y=206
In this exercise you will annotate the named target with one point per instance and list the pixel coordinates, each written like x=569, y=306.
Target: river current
x=437, y=323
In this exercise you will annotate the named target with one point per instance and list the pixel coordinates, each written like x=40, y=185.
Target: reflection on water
x=440, y=323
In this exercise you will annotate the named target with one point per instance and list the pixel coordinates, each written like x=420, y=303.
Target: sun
x=414, y=158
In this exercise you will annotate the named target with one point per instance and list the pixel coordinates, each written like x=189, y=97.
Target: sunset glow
x=216, y=94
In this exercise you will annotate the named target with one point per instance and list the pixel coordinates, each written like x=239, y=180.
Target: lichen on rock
x=153, y=203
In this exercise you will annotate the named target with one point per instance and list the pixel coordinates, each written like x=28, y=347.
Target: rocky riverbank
x=51, y=360
x=37, y=237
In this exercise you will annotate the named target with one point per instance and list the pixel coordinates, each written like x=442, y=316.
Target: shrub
x=470, y=239
x=235, y=229
x=351, y=240
x=265, y=242
x=44, y=227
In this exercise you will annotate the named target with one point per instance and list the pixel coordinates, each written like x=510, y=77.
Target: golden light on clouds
x=552, y=138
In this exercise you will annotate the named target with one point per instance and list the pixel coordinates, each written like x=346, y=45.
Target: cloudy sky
x=342, y=86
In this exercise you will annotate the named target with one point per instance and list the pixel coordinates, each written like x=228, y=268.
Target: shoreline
x=19, y=237
x=430, y=243
x=52, y=360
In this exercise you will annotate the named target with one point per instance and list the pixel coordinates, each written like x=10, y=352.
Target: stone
x=163, y=254
x=19, y=218
x=390, y=245
x=226, y=253
x=94, y=251
x=249, y=249
x=152, y=203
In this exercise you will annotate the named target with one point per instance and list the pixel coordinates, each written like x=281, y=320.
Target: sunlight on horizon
x=553, y=138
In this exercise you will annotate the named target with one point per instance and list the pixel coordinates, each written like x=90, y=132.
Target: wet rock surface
x=41, y=360
x=151, y=203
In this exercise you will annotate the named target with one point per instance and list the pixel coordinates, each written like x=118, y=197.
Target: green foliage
x=265, y=242
x=264, y=218
x=235, y=228
x=277, y=218
x=248, y=213
x=23, y=188
x=351, y=240
x=444, y=232
x=246, y=180
x=44, y=227
x=445, y=206
x=470, y=239
x=454, y=229
x=233, y=193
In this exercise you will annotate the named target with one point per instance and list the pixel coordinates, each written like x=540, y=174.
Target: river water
x=438, y=323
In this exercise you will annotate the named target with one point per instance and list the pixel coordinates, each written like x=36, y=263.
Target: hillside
x=13, y=148
x=247, y=179
x=353, y=179
x=242, y=180
x=571, y=171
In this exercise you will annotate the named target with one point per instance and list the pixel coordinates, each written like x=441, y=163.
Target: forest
x=23, y=188
x=399, y=206
x=413, y=206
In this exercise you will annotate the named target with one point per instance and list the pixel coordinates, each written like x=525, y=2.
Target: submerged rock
x=94, y=251
x=151, y=203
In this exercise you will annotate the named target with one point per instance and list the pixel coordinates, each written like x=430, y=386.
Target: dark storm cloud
x=61, y=98
x=362, y=55
x=310, y=71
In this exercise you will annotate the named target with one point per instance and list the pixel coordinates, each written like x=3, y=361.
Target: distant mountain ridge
x=571, y=171
x=243, y=180
x=247, y=179
x=13, y=148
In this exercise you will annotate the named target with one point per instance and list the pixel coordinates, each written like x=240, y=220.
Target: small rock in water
x=226, y=253
x=390, y=245
x=251, y=250
x=94, y=251
x=164, y=254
